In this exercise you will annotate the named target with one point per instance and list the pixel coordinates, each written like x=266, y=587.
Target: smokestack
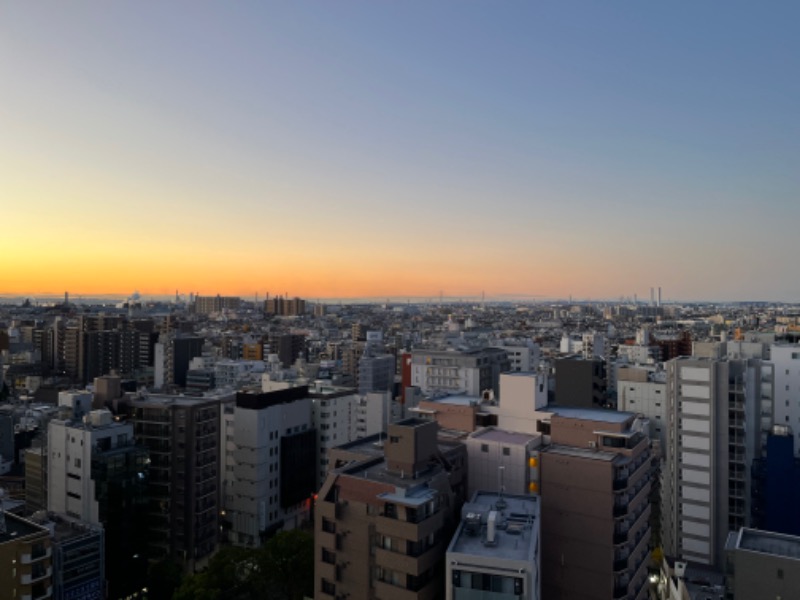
x=659, y=296
x=652, y=297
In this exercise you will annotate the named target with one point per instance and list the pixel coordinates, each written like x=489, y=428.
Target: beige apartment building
x=385, y=515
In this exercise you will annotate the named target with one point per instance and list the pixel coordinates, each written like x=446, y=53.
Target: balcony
x=36, y=575
x=38, y=594
x=36, y=555
x=409, y=530
x=620, y=565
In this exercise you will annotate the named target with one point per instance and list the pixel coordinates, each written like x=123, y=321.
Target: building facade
x=182, y=437
x=470, y=372
x=386, y=513
x=595, y=482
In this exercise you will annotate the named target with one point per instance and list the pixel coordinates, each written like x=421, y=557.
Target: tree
x=286, y=564
x=229, y=576
x=163, y=579
x=282, y=569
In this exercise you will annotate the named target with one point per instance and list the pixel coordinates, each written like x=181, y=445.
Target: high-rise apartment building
x=206, y=305
x=182, y=437
x=595, y=481
x=719, y=416
x=385, y=515
x=275, y=464
x=786, y=359
x=95, y=473
x=284, y=307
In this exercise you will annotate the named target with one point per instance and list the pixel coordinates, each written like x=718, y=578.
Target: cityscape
x=399, y=301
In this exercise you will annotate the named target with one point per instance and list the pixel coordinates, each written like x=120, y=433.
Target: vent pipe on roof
x=491, y=528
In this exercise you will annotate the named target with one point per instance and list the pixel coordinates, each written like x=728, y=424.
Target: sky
x=387, y=149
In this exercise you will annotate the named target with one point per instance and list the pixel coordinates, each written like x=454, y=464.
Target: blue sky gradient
x=555, y=148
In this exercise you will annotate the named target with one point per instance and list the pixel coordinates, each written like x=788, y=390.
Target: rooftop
x=589, y=414
x=18, y=528
x=585, y=453
x=455, y=399
x=504, y=437
x=768, y=542
x=516, y=532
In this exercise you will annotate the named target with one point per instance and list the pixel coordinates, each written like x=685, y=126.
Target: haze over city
x=400, y=149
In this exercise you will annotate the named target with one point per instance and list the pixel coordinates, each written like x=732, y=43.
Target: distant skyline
x=352, y=149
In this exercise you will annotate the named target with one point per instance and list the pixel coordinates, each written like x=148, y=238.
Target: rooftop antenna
x=501, y=504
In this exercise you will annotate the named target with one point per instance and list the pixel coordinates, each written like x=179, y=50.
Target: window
x=506, y=451
x=328, y=588
x=484, y=447
x=78, y=460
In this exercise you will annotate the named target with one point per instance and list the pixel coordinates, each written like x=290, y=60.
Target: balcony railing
x=38, y=554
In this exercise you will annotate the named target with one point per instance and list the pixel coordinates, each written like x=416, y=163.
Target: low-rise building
x=495, y=552
x=762, y=564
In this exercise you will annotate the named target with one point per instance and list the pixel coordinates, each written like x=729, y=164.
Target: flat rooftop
x=768, y=542
x=18, y=528
x=589, y=414
x=501, y=436
x=516, y=533
x=455, y=399
x=585, y=453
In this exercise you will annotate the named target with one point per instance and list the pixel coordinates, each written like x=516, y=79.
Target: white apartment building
x=333, y=411
x=786, y=359
x=373, y=413
x=524, y=355
x=469, y=372
x=233, y=374
x=716, y=414
x=71, y=488
x=522, y=395
x=275, y=464
x=645, y=392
